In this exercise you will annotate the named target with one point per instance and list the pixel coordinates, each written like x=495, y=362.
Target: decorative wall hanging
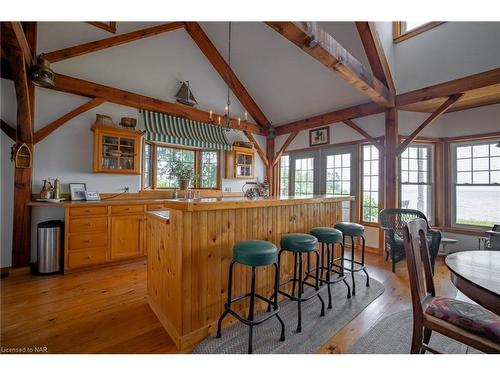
x=320, y=136
x=23, y=156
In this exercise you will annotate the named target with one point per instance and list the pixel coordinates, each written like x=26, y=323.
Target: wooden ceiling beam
x=261, y=153
x=312, y=39
x=220, y=65
x=18, y=31
x=113, y=41
x=106, y=26
x=289, y=140
x=446, y=89
x=113, y=95
x=438, y=112
x=8, y=130
x=356, y=111
x=48, y=129
x=375, y=53
x=361, y=131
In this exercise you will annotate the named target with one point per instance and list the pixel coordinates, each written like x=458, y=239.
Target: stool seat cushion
x=471, y=317
x=299, y=242
x=255, y=253
x=350, y=229
x=327, y=234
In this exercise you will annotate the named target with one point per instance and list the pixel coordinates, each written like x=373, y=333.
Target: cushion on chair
x=350, y=229
x=471, y=317
x=327, y=234
x=255, y=253
x=299, y=242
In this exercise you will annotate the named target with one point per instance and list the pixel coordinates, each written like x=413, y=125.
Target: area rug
x=392, y=335
x=316, y=330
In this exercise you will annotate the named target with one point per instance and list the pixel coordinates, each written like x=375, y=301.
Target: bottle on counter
x=57, y=189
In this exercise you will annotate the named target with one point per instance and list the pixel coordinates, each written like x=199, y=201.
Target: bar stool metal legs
x=253, y=253
x=299, y=280
x=330, y=268
x=362, y=266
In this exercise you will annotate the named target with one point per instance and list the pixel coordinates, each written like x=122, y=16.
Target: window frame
x=454, y=177
x=281, y=179
x=431, y=195
x=361, y=183
x=197, y=166
x=399, y=34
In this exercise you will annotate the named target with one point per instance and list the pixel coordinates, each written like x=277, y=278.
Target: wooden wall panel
x=189, y=259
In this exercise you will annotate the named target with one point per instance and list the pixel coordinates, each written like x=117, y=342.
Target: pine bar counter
x=189, y=249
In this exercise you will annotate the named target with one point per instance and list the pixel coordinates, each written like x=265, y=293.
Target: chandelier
x=225, y=121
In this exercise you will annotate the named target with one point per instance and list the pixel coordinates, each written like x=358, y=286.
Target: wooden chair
x=468, y=323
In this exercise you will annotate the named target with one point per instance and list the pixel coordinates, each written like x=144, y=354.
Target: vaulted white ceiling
x=284, y=81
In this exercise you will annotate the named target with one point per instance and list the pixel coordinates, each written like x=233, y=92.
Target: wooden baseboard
x=9, y=271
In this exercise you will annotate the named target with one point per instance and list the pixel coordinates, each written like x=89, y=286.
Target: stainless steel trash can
x=49, y=246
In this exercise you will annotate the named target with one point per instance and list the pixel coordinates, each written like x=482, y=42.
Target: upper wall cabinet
x=240, y=163
x=116, y=150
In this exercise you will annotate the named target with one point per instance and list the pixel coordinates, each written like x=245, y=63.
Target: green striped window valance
x=181, y=131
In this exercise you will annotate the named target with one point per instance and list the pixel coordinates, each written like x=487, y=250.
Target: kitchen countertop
x=208, y=204
x=205, y=203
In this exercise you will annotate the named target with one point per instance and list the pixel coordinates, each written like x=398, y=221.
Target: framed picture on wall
x=320, y=136
x=77, y=191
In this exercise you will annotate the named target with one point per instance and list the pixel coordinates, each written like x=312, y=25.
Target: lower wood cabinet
x=127, y=236
x=100, y=233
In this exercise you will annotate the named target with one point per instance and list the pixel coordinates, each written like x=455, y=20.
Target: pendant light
x=41, y=73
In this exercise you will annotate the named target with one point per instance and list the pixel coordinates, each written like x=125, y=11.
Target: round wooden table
x=477, y=275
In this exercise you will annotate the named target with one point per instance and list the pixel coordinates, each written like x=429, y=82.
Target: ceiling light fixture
x=227, y=109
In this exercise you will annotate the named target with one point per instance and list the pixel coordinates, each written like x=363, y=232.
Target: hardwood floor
x=105, y=310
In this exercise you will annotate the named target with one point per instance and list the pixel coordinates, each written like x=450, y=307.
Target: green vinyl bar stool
x=298, y=244
x=253, y=253
x=329, y=237
x=354, y=230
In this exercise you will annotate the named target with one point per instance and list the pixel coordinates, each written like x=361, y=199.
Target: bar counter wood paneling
x=189, y=252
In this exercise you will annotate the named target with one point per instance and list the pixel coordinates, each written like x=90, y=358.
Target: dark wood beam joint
x=365, y=134
x=438, y=112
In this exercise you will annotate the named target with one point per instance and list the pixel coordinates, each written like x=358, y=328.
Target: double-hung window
x=476, y=177
x=370, y=184
x=416, y=179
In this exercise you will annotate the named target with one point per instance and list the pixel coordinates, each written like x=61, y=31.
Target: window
x=304, y=176
x=415, y=177
x=147, y=174
x=209, y=169
x=403, y=30
x=284, y=175
x=370, y=184
x=338, y=179
x=159, y=158
x=477, y=184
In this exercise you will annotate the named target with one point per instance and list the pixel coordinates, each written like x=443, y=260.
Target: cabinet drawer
x=86, y=258
x=88, y=240
x=127, y=209
x=156, y=207
x=94, y=224
x=81, y=211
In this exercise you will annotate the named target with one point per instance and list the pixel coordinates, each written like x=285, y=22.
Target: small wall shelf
x=116, y=150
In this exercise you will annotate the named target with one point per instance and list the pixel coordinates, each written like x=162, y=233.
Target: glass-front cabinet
x=116, y=150
x=240, y=163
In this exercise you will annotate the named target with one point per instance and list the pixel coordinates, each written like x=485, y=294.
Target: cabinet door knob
x=89, y=256
x=87, y=241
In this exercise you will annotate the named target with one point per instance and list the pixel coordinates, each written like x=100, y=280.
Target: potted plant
x=183, y=172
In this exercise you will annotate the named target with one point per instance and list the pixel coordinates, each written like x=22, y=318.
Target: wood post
x=22, y=176
x=390, y=159
x=271, y=169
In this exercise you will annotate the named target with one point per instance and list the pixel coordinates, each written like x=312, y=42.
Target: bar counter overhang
x=189, y=249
